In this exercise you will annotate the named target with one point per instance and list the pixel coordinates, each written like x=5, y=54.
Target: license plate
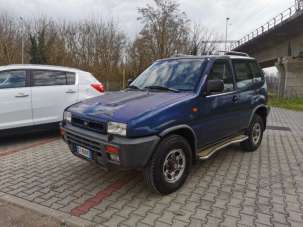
x=84, y=152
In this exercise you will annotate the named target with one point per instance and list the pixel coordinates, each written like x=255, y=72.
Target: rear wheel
x=255, y=134
x=169, y=166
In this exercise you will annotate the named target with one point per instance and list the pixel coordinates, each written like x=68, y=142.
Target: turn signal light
x=111, y=149
x=62, y=132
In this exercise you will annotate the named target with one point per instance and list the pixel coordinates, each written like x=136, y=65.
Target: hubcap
x=174, y=165
x=256, y=133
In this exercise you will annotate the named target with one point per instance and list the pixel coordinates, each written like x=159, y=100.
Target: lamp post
x=22, y=41
x=299, y=4
x=227, y=20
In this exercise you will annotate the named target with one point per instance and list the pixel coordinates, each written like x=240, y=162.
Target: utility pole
x=227, y=20
x=124, y=70
x=22, y=40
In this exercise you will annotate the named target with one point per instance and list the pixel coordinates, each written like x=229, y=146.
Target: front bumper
x=133, y=153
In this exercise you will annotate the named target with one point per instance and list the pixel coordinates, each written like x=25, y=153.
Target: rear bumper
x=133, y=153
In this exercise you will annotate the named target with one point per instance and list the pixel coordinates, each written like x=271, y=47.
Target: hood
x=123, y=106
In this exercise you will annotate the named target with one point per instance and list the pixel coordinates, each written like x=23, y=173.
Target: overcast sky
x=245, y=15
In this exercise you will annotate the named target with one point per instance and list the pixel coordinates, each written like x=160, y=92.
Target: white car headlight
x=116, y=128
x=67, y=116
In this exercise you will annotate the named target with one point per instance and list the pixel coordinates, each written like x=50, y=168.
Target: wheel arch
x=262, y=111
x=185, y=131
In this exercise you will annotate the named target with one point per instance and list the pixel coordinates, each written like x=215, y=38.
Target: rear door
x=246, y=91
x=52, y=92
x=15, y=99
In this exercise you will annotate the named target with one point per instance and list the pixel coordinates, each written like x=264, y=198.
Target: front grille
x=90, y=125
x=76, y=140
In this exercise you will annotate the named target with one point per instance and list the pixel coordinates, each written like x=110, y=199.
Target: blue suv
x=177, y=111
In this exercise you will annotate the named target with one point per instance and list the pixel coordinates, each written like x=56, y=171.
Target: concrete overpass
x=279, y=43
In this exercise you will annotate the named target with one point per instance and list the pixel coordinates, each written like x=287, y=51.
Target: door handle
x=21, y=95
x=70, y=92
x=235, y=98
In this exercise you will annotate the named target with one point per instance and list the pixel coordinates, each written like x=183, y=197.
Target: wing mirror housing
x=129, y=81
x=214, y=86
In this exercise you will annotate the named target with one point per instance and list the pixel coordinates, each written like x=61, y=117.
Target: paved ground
x=12, y=215
x=264, y=188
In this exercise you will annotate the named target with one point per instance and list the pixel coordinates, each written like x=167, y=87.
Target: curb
x=67, y=218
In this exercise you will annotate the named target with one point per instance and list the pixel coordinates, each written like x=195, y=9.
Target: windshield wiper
x=162, y=88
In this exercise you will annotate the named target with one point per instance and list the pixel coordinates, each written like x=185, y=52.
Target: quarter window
x=244, y=77
x=70, y=78
x=221, y=71
x=48, y=78
x=12, y=79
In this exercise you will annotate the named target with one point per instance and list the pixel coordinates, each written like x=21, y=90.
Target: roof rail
x=181, y=55
x=234, y=53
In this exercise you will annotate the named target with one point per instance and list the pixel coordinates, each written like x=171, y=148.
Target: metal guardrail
x=285, y=15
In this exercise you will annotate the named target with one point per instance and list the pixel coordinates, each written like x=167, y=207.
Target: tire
x=253, y=142
x=172, y=152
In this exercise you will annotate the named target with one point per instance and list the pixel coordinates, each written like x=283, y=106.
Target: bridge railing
x=269, y=25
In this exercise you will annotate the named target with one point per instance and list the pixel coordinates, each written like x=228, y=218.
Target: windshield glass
x=181, y=75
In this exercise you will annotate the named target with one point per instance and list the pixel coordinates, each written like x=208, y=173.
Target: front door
x=218, y=111
x=15, y=100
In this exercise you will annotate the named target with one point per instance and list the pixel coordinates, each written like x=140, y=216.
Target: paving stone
x=114, y=221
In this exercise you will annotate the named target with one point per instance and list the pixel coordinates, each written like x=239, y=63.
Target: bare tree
x=10, y=40
x=165, y=29
x=201, y=41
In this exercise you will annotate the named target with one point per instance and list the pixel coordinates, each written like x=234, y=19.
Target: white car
x=32, y=95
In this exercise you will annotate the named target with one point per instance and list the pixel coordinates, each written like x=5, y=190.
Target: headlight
x=67, y=116
x=116, y=128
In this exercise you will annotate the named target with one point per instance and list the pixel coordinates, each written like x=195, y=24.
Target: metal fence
x=283, y=16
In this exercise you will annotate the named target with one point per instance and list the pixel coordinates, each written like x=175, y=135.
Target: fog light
x=114, y=157
x=113, y=153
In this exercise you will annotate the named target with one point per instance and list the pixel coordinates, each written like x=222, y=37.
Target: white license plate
x=84, y=152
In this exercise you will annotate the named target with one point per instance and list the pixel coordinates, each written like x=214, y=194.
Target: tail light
x=98, y=86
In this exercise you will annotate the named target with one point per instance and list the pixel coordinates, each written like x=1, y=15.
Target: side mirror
x=129, y=81
x=215, y=86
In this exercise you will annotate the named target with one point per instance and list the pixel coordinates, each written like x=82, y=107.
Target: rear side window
x=244, y=77
x=221, y=71
x=52, y=78
x=12, y=79
x=256, y=72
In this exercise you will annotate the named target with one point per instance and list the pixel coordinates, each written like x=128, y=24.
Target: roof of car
x=240, y=57
x=36, y=66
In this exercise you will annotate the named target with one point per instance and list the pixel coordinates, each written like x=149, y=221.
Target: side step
x=208, y=152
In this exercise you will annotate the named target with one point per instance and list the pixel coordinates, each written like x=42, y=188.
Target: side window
x=244, y=77
x=70, y=78
x=12, y=79
x=221, y=71
x=48, y=78
x=256, y=71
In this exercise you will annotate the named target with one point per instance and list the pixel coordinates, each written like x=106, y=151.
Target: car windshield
x=171, y=75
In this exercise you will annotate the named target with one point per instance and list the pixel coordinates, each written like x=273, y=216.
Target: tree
x=38, y=48
x=201, y=41
x=165, y=29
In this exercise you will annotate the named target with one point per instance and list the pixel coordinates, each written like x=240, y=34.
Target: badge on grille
x=85, y=123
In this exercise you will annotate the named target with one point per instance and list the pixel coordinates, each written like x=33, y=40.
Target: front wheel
x=255, y=134
x=169, y=166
